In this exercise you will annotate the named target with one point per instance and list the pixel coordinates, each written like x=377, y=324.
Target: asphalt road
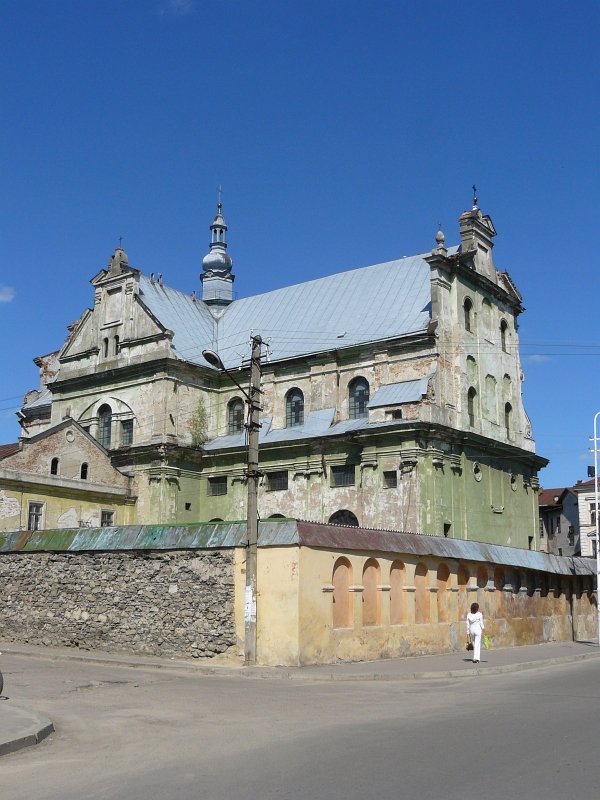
x=140, y=734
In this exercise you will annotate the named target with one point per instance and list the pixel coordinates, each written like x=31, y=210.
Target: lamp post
x=253, y=425
x=597, y=536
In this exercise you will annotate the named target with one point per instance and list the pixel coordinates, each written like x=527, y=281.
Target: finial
x=120, y=242
x=475, y=200
x=440, y=239
x=220, y=191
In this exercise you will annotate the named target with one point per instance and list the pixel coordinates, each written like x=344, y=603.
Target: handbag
x=469, y=642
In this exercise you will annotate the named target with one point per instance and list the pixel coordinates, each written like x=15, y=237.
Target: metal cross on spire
x=475, y=200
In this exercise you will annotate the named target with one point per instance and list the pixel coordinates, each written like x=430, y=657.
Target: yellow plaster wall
x=296, y=614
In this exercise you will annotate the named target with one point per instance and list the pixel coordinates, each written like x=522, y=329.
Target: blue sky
x=342, y=132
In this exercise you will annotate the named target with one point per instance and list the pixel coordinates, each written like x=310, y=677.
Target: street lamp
x=253, y=425
x=597, y=537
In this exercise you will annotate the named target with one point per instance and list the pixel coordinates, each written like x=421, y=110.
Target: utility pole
x=253, y=425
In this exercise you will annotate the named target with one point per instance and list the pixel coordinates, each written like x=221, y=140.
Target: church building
x=390, y=398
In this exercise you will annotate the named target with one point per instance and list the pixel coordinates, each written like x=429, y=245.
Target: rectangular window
x=127, y=432
x=571, y=535
x=34, y=518
x=390, y=479
x=277, y=481
x=107, y=518
x=592, y=513
x=343, y=476
x=217, y=486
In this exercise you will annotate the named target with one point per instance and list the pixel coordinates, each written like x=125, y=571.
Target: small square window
x=277, y=481
x=343, y=475
x=188, y=506
x=390, y=479
x=107, y=518
x=217, y=486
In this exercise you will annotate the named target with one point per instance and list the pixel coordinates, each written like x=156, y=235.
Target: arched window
x=358, y=397
x=116, y=345
x=468, y=308
x=235, y=415
x=503, y=329
x=443, y=578
x=471, y=395
x=294, y=408
x=54, y=466
x=343, y=517
x=397, y=599
x=83, y=473
x=370, y=595
x=105, y=349
x=342, y=580
x=507, y=418
x=421, y=594
x=104, y=425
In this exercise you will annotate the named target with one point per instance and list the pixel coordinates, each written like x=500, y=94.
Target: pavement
x=20, y=728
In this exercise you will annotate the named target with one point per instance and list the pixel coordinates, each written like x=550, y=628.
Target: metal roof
x=281, y=533
x=190, y=320
x=317, y=424
x=372, y=303
x=396, y=393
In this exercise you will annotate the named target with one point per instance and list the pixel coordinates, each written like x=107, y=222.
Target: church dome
x=217, y=259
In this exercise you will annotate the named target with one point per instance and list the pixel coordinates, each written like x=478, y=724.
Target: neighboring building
x=391, y=395
x=559, y=522
x=62, y=478
x=586, y=495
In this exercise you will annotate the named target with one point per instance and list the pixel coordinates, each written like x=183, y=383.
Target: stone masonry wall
x=168, y=603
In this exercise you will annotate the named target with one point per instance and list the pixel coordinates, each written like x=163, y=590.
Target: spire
x=216, y=276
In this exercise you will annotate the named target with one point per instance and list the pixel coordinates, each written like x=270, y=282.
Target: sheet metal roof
x=348, y=308
x=318, y=424
x=281, y=533
x=396, y=393
x=190, y=320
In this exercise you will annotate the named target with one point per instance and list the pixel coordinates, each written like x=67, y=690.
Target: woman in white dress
x=475, y=628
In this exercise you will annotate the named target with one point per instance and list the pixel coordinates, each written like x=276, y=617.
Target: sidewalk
x=19, y=728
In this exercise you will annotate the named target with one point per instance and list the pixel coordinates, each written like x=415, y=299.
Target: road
x=141, y=733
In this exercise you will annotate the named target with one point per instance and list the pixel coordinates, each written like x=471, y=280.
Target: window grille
x=107, y=518
x=217, y=486
x=343, y=475
x=277, y=481
x=390, y=479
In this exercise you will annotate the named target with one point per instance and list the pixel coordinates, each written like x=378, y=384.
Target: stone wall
x=168, y=603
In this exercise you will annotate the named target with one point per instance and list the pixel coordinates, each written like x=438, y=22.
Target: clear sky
x=342, y=133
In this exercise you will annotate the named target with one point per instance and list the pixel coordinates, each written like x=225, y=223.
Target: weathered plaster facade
x=325, y=592
x=437, y=442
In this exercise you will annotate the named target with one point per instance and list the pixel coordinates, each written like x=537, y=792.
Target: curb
x=237, y=670
x=40, y=727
